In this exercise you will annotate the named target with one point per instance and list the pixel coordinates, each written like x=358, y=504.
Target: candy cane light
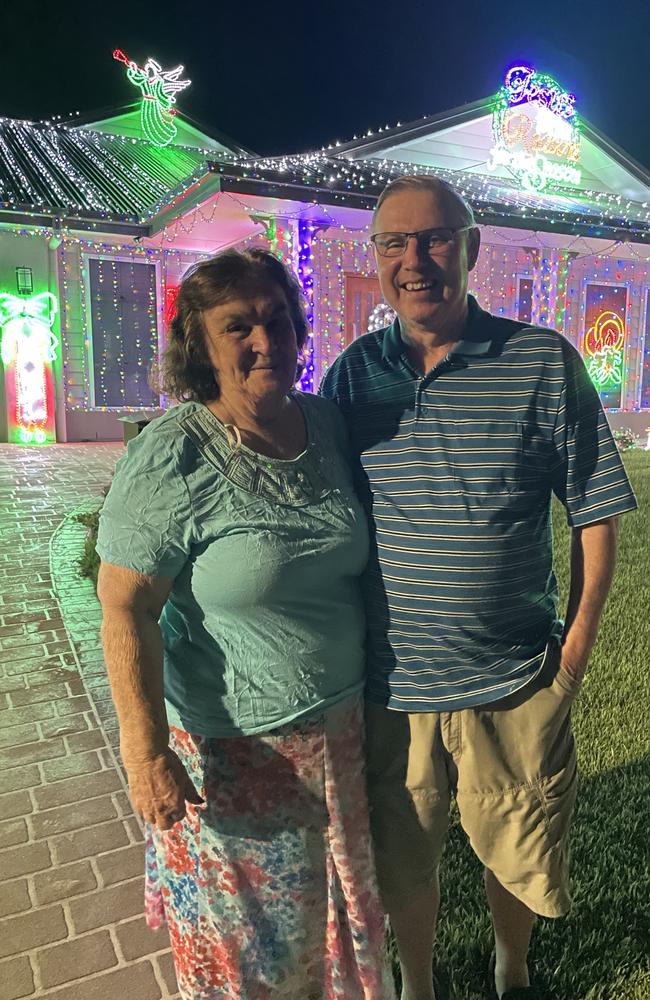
x=28, y=348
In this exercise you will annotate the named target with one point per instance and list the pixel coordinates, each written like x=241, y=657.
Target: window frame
x=88, y=325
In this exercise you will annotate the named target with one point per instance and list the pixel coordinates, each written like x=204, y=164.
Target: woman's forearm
x=133, y=650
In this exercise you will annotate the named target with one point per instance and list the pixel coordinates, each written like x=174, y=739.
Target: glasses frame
x=418, y=236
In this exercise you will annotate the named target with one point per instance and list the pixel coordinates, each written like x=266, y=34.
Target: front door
x=362, y=294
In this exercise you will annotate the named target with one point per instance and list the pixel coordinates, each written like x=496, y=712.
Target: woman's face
x=251, y=343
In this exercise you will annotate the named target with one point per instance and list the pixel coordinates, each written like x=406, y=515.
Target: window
x=644, y=400
x=605, y=337
x=123, y=318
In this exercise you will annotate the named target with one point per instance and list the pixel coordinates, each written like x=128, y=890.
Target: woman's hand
x=160, y=788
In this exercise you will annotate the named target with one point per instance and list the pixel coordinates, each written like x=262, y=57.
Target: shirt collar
x=476, y=337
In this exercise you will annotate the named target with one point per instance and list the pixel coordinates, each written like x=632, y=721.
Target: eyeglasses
x=431, y=241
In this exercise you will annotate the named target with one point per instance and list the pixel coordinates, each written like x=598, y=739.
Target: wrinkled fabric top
x=264, y=622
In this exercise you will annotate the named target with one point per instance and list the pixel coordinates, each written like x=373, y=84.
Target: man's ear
x=473, y=247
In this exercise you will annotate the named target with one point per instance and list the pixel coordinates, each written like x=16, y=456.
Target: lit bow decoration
x=29, y=344
x=38, y=310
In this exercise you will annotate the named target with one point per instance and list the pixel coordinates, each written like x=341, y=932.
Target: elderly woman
x=232, y=545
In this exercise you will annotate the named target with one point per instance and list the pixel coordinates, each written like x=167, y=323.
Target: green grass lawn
x=601, y=949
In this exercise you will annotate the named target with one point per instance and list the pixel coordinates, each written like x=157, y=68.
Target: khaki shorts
x=511, y=765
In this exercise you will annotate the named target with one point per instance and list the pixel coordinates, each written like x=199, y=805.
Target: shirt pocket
x=487, y=462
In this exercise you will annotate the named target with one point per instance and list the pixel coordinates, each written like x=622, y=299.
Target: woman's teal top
x=264, y=622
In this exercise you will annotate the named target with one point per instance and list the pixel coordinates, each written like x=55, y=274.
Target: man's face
x=428, y=292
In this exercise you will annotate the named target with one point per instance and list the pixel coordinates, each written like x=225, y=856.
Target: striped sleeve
x=588, y=475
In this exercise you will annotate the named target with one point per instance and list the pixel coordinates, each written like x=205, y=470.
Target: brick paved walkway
x=71, y=853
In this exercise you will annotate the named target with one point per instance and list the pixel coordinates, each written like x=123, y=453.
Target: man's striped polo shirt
x=459, y=469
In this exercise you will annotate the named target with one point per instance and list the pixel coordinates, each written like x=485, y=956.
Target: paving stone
x=20, y=777
x=74, y=816
x=63, y=883
x=70, y=767
x=31, y=713
x=91, y=740
x=20, y=653
x=22, y=641
x=13, y=831
x=117, y=866
x=37, y=927
x=123, y=803
x=89, y=843
x=74, y=959
x=47, y=623
x=108, y=905
x=64, y=727
x=165, y=963
x=76, y=789
x=15, y=804
x=24, y=860
x=134, y=827
x=52, y=675
x=23, y=616
x=17, y=978
x=14, y=897
x=136, y=940
x=70, y=706
x=11, y=684
x=30, y=753
x=136, y=982
x=14, y=736
x=6, y=630
x=44, y=692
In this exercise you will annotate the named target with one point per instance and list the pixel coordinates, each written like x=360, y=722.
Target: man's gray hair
x=435, y=185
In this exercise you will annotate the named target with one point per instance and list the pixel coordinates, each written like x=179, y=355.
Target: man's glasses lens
x=430, y=240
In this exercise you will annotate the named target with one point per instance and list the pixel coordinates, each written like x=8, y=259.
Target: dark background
x=285, y=77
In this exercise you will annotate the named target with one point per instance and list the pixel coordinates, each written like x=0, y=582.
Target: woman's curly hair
x=185, y=371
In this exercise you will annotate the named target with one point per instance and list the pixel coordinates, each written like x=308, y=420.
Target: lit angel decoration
x=29, y=347
x=604, y=348
x=159, y=88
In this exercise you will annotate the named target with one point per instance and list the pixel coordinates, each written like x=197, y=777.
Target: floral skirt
x=268, y=890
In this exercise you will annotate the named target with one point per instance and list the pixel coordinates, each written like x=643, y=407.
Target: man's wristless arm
x=593, y=557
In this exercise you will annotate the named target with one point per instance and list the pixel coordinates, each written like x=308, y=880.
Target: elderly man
x=465, y=424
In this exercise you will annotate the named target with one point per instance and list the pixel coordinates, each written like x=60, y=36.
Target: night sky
x=289, y=77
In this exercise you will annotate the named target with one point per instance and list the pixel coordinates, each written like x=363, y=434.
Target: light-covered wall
x=635, y=276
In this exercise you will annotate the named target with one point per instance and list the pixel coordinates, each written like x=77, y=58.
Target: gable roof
x=461, y=140
x=126, y=121
x=87, y=175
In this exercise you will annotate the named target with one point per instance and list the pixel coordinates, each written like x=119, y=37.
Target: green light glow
x=159, y=88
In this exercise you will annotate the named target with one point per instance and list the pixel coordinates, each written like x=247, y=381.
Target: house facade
x=98, y=224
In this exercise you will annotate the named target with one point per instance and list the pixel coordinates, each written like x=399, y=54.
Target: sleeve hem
x=583, y=520
x=143, y=568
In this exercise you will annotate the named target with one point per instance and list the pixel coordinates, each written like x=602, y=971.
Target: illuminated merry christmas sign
x=536, y=131
x=159, y=88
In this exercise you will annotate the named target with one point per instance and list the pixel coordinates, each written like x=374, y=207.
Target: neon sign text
x=536, y=131
x=534, y=171
x=523, y=85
